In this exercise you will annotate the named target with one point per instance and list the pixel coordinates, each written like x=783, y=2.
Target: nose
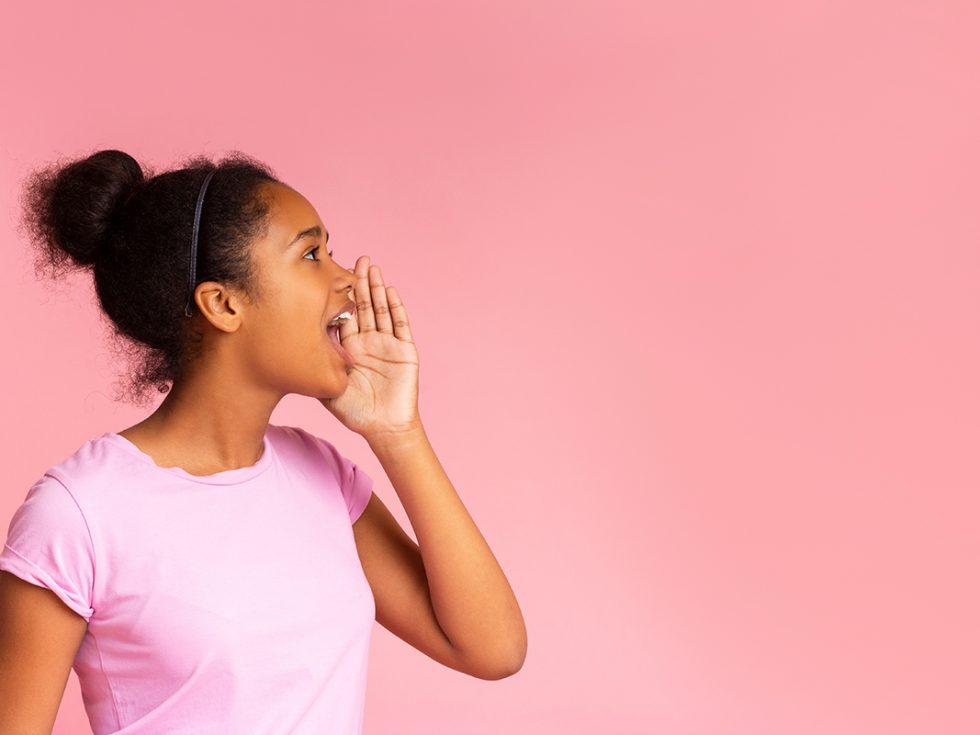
x=349, y=282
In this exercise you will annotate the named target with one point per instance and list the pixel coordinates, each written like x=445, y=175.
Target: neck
x=209, y=420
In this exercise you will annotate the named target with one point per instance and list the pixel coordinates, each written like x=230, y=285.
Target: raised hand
x=383, y=385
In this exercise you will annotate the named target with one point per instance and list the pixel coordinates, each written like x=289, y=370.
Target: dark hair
x=134, y=230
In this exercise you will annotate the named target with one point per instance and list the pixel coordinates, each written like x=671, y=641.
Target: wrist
x=394, y=437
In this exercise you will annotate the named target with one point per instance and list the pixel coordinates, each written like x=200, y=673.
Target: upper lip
x=349, y=306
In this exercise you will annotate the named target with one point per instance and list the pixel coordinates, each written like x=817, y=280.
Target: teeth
x=339, y=318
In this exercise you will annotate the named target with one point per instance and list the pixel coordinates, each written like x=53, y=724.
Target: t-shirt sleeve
x=357, y=488
x=48, y=544
x=355, y=484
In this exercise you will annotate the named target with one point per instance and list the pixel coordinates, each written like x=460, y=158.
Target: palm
x=382, y=388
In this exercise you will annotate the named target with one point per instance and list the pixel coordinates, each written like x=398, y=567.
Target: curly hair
x=133, y=226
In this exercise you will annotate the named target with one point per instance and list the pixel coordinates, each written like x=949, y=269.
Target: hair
x=133, y=228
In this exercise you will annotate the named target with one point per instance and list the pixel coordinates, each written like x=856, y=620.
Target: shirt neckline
x=225, y=477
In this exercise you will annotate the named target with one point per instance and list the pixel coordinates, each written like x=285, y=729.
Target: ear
x=220, y=305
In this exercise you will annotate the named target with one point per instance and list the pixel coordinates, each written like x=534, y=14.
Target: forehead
x=290, y=212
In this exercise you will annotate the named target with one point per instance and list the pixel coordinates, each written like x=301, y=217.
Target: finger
x=362, y=295
x=382, y=315
x=399, y=315
x=349, y=326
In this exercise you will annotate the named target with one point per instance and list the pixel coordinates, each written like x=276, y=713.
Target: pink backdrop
x=694, y=287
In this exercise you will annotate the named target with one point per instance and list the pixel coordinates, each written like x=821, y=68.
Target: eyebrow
x=313, y=231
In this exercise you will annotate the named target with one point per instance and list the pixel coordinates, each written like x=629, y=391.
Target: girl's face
x=282, y=341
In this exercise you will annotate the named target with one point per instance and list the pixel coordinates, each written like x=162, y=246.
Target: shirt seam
x=88, y=529
x=95, y=571
x=108, y=681
x=46, y=577
x=200, y=479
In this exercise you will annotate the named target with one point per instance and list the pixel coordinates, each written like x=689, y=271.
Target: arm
x=39, y=637
x=463, y=585
x=451, y=581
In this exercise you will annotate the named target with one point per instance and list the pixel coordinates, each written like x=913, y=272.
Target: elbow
x=517, y=661
x=497, y=658
x=514, y=667
x=501, y=667
x=496, y=673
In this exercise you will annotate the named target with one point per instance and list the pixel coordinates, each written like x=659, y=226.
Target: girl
x=205, y=571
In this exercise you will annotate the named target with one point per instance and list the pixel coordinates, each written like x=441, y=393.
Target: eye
x=317, y=260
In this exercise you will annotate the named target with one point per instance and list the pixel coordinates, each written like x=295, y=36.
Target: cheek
x=282, y=341
x=286, y=338
x=296, y=309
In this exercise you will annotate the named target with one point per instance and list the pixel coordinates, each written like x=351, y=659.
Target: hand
x=383, y=385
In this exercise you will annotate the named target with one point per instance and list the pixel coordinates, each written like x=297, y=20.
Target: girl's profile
x=205, y=570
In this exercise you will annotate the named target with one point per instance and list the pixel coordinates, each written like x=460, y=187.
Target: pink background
x=695, y=292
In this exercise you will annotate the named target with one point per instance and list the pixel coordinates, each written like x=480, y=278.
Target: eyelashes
x=314, y=250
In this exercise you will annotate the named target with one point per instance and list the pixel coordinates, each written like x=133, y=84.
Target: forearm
x=471, y=597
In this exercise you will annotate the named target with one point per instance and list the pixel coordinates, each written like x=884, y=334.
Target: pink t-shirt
x=226, y=603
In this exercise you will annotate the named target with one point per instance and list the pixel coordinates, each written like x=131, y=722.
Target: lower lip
x=335, y=341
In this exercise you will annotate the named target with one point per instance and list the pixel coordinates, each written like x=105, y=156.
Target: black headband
x=197, y=225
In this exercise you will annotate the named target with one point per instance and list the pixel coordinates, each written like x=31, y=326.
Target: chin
x=337, y=385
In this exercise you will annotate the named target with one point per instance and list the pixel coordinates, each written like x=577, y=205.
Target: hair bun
x=72, y=206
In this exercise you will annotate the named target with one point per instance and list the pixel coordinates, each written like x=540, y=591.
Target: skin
x=39, y=636
x=445, y=595
x=255, y=353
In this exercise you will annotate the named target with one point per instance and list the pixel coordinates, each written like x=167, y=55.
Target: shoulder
x=90, y=469
x=295, y=439
x=49, y=543
x=320, y=458
x=49, y=504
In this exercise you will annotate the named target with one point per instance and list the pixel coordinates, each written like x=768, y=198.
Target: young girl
x=205, y=571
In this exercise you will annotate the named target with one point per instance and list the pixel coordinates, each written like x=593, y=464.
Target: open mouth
x=346, y=313
x=333, y=331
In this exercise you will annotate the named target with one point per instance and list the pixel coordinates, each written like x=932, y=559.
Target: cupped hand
x=383, y=384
